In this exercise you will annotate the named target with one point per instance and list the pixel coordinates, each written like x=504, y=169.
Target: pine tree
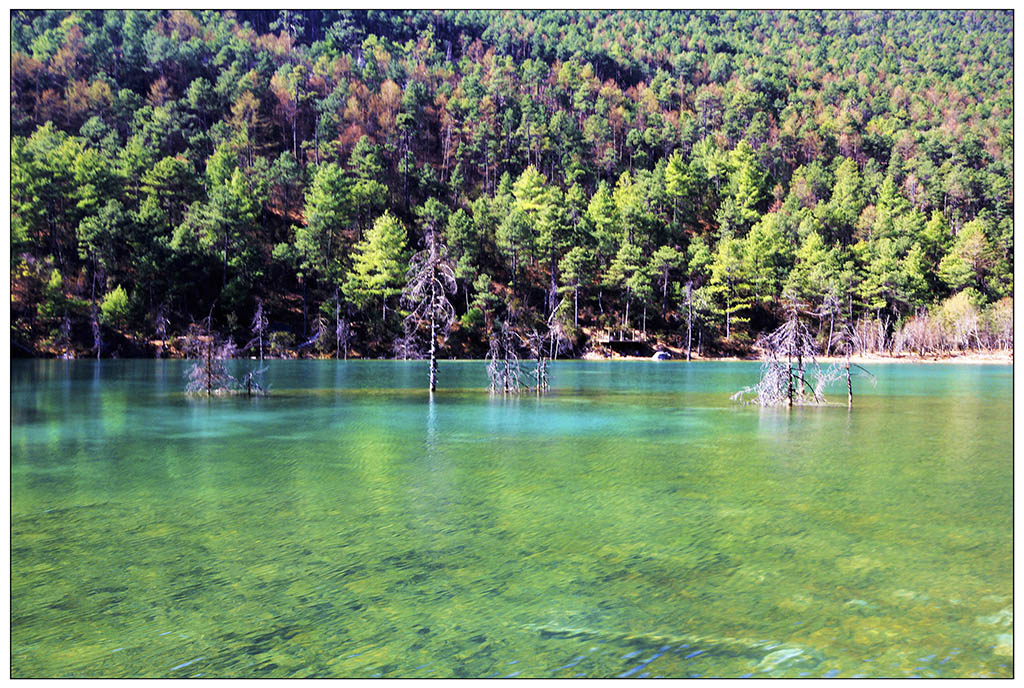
x=378, y=264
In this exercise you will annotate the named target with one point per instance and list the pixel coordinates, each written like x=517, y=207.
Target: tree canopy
x=197, y=163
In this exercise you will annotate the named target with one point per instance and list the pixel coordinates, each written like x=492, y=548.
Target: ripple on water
x=301, y=535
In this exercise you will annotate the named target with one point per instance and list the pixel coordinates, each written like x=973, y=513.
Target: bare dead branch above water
x=790, y=356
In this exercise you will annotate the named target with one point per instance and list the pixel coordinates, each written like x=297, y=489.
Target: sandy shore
x=982, y=358
x=974, y=358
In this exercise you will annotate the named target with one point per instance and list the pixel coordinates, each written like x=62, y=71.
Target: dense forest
x=665, y=176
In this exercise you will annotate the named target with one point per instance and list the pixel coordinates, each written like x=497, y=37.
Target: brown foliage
x=160, y=92
x=49, y=106
x=181, y=21
x=69, y=60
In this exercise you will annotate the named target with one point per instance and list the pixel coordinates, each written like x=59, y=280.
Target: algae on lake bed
x=633, y=522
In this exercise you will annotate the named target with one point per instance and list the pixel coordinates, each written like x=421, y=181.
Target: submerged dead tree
x=160, y=323
x=252, y=382
x=208, y=375
x=259, y=326
x=546, y=345
x=97, y=335
x=503, y=364
x=431, y=277
x=842, y=342
x=789, y=353
x=536, y=343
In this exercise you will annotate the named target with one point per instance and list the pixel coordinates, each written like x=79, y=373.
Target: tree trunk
x=316, y=138
x=849, y=385
x=405, y=173
x=576, y=307
x=789, y=380
x=209, y=368
x=553, y=294
x=828, y=345
x=800, y=370
x=625, y=320
x=433, y=352
x=447, y=143
x=514, y=269
x=689, y=318
x=664, y=296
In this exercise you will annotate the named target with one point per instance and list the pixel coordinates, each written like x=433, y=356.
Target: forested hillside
x=681, y=174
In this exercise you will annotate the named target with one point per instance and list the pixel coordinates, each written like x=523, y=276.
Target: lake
x=633, y=522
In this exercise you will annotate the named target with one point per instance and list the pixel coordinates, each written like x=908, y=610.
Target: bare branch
x=789, y=354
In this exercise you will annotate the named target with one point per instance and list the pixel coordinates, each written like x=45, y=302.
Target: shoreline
x=973, y=358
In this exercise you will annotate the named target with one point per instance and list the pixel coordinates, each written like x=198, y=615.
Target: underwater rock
x=1004, y=617
x=790, y=658
x=1004, y=645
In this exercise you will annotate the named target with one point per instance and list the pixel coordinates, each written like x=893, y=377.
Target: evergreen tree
x=379, y=264
x=730, y=281
x=328, y=214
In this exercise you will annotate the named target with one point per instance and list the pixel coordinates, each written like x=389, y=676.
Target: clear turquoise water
x=633, y=522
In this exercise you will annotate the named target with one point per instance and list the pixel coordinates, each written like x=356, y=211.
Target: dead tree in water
x=545, y=346
x=789, y=352
x=431, y=278
x=259, y=325
x=342, y=335
x=252, y=382
x=208, y=374
x=503, y=366
x=97, y=335
x=161, y=323
x=536, y=341
x=843, y=342
x=253, y=379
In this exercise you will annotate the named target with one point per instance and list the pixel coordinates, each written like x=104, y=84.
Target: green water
x=632, y=522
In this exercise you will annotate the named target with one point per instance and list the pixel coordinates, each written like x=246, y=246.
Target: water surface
x=634, y=522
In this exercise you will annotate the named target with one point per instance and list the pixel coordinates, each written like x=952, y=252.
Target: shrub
x=281, y=342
